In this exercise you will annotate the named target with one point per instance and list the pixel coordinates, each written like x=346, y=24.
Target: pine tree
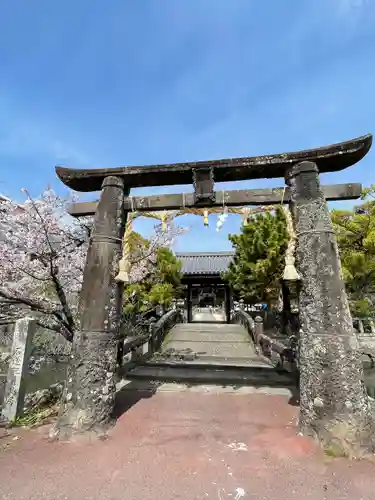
x=355, y=230
x=255, y=272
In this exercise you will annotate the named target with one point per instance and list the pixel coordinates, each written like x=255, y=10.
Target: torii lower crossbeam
x=235, y=198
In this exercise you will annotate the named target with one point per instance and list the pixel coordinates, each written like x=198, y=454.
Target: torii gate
x=330, y=371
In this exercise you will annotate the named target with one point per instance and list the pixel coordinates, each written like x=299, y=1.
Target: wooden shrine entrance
x=324, y=311
x=201, y=275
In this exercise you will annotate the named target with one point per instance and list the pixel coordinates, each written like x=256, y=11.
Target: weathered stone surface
x=89, y=394
x=209, y=339
x=258, y=328
x=242, y=197
x=329, y=158
x=44, y=397
x=14, y=395
x=333, y=402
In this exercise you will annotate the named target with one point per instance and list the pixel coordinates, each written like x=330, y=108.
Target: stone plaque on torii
x=324, y=311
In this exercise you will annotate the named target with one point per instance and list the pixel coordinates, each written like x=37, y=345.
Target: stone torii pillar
x=333, y=402
x=90, y=389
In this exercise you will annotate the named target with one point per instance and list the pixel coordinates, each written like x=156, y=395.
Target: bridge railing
x=364, y=326
x=145, y=345
x=284, y=354
x=241, y=317
x=284, y=349
x=365, y=331
x=160, y=329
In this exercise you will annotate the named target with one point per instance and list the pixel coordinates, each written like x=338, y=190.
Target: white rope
x=131, y=203
x=283, y=195
x=290, y=271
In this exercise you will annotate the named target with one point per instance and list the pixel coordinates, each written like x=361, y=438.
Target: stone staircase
x=210, y=353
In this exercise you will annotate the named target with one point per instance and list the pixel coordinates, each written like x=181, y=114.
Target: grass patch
x=334, y=450
x=35, y=417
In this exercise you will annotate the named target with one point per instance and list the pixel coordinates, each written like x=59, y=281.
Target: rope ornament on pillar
x=164, y=218
x=205, y=217
x=125, y=264
x=290, y=272
x=245, y=215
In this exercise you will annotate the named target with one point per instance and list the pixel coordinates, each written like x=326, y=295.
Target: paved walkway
x=208, y=337
x=206, y=314
x=185, y=445
x=209, y=353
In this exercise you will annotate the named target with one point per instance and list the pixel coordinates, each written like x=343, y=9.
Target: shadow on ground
x=295, y=397
x=129, y=395
x=134, y=392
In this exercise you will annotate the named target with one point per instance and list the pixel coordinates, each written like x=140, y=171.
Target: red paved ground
x=185, y=446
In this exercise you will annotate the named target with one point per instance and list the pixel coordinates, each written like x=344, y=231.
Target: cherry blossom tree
x=42, y=256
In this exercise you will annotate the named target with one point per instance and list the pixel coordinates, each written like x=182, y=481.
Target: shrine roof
x=204, y=263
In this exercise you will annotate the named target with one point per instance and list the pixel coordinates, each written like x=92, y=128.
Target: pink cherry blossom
x=42, y=256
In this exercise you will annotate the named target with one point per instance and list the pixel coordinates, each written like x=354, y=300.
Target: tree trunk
x=89, y=395
x=334, y=406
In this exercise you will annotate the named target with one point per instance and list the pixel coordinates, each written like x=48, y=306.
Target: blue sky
x=101, y=84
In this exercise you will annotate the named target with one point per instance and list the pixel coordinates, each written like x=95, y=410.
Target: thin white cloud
x=346, y=7
x=22, y=136
x=352, y=15
x=237, y=90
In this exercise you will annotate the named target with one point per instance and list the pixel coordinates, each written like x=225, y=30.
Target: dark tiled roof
x=204, y=262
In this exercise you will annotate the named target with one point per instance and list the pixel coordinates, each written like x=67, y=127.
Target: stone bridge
x=209, y=350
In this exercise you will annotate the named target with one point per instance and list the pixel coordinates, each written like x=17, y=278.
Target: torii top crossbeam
x=328, y=159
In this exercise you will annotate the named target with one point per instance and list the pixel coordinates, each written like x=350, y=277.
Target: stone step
x=209, y=326
x=222, y=349
x=222, y=340
x=208, y=374
x=213, y=338
x=239, y=361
